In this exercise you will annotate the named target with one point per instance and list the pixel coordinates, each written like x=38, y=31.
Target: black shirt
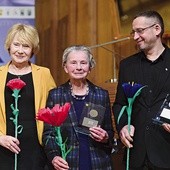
x=152, y=72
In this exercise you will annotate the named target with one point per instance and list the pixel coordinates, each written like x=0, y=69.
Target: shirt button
x=147, y=127
x=150, y=91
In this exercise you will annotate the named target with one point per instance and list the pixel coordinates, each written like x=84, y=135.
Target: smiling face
x=20, y=51
x=77, y=65
x=147, y=38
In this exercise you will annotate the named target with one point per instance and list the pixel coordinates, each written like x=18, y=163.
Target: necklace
x=79, y=97
x=19, y=76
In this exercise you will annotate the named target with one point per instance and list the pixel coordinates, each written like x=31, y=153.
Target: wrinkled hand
x=10, y=143
x=59, y=163
x=166, y=126
x=125, y=137
x=99, y=134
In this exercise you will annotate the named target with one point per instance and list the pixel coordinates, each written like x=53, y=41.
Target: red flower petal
x=16, y=84
x=44, y=115
x=60, y=113
x=56, y=116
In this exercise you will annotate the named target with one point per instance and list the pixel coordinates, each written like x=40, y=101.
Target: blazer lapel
x=3, y=76
x=36, y=80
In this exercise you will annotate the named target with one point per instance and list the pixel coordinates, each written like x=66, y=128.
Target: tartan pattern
x=100, y=153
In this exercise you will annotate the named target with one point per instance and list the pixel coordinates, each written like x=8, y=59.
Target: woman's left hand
x=99, y=134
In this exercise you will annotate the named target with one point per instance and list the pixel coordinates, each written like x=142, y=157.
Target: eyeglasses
x=140, y=31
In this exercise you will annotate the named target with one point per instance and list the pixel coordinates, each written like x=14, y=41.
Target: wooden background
x=62, y=23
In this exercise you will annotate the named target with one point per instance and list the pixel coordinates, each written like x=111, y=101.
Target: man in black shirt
x=149, y=143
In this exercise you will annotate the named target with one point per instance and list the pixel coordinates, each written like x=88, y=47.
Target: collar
x=160, y=58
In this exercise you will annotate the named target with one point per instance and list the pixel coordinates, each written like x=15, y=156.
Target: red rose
x=16, y=83
x=56, y=116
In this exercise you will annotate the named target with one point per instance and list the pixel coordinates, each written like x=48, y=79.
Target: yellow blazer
x=43, y=82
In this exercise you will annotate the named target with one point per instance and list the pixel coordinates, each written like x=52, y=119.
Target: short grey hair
x=155, y=15
x=83, y=48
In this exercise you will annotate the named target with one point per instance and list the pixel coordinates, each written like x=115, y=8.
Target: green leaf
x=20, y=128
x=68, y=151
x=121, y=113
x=137, y=93
x=12, y=106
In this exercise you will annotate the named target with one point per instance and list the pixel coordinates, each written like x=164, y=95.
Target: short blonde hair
x=83, y=48
x=27, y=33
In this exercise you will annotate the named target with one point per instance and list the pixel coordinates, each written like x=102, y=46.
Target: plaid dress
x=100, y=153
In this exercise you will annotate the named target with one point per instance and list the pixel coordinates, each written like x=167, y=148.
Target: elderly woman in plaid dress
x=92, y=150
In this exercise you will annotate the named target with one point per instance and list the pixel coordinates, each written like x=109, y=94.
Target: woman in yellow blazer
x=22, y=42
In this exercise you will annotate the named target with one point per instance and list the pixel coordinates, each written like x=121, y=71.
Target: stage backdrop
x=12, y=12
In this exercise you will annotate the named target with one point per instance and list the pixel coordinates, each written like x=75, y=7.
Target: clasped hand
x=99, y=134
x=126, y=137
x=10, y=143
x=59, y=163
x=166, y=126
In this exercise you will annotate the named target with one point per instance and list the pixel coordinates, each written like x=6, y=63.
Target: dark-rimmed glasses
x=140, y=31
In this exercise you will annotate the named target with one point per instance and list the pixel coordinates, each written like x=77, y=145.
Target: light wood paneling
x=62, y=23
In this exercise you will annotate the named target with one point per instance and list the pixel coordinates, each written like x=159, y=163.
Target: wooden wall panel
x=62, y=23
x=86, y=22
x=104, y=57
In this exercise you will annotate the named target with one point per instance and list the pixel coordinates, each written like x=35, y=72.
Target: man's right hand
x=126, y=137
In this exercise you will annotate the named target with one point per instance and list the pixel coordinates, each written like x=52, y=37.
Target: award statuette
x=91, y=116
x=163, y=116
